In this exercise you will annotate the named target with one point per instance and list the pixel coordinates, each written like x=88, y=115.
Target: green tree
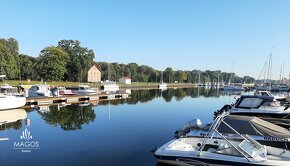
x=51, y=64
x=9, y=58
x=168, y=75
x=180, y=76
x=80, y=60
x=27, y=64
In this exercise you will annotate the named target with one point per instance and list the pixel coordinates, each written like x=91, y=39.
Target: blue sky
x=182, y=34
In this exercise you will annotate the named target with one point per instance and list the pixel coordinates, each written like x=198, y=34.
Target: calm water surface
x=111, y=133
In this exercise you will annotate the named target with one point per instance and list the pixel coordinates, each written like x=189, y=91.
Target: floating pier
x=32, y=101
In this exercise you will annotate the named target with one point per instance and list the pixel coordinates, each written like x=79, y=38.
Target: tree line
x=69, y=61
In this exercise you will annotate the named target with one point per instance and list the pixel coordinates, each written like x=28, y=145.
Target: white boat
x=10, y=102
x=262, y=131
x=254, y=105
x=162, y=86
x=39, y=90
x=9, y=90
x=61, y=91
x=211, y=151
x=83, y=90
x=263, y=88
x=268, y=93
x=280, y=88
x=233, y=88
x=110, y=86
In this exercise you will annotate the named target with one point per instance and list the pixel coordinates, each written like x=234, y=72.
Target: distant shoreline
x=134, y=85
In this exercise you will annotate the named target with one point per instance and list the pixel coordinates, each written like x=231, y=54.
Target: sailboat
x=162, y=85
x=266, y=84
x=281, y=86
x=109, y=86
x=232, y=87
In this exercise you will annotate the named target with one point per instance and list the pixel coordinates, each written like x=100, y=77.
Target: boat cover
x=252, y=126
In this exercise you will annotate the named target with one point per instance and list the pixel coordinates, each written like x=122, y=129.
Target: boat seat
x=210, y=147
x=229, y=151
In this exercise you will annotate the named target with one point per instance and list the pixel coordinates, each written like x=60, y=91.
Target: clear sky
x=182, y=34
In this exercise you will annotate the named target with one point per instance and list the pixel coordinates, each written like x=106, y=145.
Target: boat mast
x=198, y=78
x=161, y=77
x=269, y=73
x=108, y=71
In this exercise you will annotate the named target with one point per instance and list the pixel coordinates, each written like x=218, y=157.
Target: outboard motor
x=191, y=125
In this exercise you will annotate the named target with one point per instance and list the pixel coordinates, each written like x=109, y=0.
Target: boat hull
x=11, y=102
x=263, y=114
x=185, y=161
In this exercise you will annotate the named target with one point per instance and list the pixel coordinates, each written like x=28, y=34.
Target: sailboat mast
x=108, y=71
x=270, y=68
x=198, y=78
x=162, y=77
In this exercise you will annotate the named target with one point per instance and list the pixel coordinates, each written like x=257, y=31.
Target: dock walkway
x=32, y=101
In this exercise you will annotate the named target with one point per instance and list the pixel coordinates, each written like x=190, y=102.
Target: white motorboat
x=268, y=93
x=9, y=90
x=211, y=151
x=259, y=106
x=39, y=90
x=10, y=102
x=83, y=90
x=62, y=91
x=262, y=131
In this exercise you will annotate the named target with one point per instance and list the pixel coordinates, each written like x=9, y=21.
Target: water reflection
x=12, y=118
x=70, y=117
x=133, y=130
x=143, y=96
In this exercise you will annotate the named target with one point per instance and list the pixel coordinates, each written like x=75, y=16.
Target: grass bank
x=134, y=85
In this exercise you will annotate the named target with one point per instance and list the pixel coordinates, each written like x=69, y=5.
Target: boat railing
x=213, y=130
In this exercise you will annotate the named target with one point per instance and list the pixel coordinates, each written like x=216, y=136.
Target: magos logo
x=27, y=143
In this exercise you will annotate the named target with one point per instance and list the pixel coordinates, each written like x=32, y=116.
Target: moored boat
x=257, y=105
x=110, y=86
x=260, y=130
x=82, y=90
x=233, y=88
x=224, y=151
x=10, y=102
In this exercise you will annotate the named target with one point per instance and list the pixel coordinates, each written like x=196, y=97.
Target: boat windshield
x=248, y=148
x=250, y=102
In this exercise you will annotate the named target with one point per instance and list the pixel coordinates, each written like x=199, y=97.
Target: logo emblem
x=26, y=135
x=26, y=143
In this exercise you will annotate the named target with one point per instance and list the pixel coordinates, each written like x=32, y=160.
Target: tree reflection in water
x=178, y=94
x=70, y=117
x=13, y=125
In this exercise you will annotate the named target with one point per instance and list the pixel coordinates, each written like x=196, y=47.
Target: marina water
x=111, y=133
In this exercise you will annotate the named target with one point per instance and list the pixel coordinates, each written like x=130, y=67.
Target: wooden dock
x=73, y=99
